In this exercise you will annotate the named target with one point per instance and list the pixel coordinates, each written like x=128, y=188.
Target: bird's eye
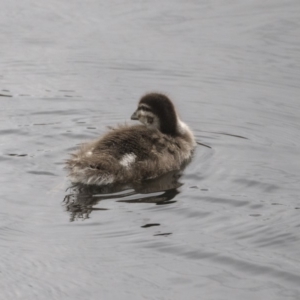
x=150, y=120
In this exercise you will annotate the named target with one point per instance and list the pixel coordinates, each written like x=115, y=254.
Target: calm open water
x=229, y=227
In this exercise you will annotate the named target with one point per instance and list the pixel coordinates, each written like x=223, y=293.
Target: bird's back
x=133, y=153
x=127, y=153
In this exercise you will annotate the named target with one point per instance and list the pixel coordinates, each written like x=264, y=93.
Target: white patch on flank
x=127, y=160
x=89, y=153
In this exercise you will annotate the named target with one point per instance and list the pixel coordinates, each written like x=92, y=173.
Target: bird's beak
x=134, y=116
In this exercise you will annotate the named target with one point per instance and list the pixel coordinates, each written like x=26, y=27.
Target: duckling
x=127, y=154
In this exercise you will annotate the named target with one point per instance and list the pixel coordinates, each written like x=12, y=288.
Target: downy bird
x=129, y=153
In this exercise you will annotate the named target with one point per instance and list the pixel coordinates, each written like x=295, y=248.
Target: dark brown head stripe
x=144, y=107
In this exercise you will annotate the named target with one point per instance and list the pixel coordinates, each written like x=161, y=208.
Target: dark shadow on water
x=201, y=144
x=81, y=199
x=224, y=133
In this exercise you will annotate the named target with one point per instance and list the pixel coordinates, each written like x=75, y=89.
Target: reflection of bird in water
x=129, y=154
x=82, y=199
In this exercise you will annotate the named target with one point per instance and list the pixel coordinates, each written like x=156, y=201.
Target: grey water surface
x=228, y=227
